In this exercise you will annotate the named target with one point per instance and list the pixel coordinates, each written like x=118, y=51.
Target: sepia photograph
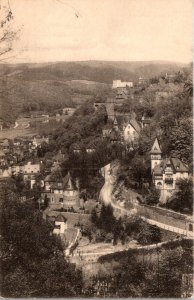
x=96, y=149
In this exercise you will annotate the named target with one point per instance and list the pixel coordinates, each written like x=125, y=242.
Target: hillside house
x=166, y=172
x=38, y=140
x=77, y=148
x=91, y=148
x=131, y=130
x=170, y=77
x=121, y=96
x=121, y=84
x=5, y=145
x=62, y=193
x=60, y=225
x=98, y=105
x=142, y=81
x=124, y=128
x=5, y=173
x=69, y=111
x=145, y=121
x=30, y=171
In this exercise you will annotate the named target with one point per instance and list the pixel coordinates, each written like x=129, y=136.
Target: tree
x=179, y=141
x=107, y=219
x=32, y=259
x=153, y=197
x=182, y=200
x=94, y=217
x=154, y=80
x=7, y=34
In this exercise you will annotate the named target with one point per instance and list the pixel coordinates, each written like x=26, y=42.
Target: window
x=61, y=200
x=190, y=227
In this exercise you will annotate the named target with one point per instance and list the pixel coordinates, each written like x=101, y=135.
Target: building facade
x=121, y=84
x=167, y=172
x=62, y=193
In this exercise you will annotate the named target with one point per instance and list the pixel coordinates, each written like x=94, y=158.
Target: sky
x=124, y=30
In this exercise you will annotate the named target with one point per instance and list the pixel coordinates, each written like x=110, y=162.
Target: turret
x=155, y=154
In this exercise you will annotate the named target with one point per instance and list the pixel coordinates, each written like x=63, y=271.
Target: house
x=5, y=145
x=131, y=130
x=106, y=131
x=91, y=148
x=69, y=111
x=121, y=96
x=98, y=105
x=120, y=84
x=166, y=172
x=48, y=181
x=30, y=171
x=38, y=140
x=123, y=128
x=77, y=149
x=145, y=121
x=5, y=173
x=170, y=77
x=142, y=81
x=60, y=225
x=112, y=131
x=62, y=193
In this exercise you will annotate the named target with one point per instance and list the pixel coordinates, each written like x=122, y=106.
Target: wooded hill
x=28, y=87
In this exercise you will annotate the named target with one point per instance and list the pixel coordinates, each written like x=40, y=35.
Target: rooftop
x=175, y=163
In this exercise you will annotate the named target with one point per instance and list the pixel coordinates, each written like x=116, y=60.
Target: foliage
x=32, y=259
x=142, y=231
x=179, y=142
x=182, y=200
x=151, y=273
x=153, y=197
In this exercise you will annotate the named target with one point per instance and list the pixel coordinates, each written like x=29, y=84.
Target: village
x=64, y=203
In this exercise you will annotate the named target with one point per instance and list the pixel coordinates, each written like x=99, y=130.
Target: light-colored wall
x=130, y=134
x=62, y=225
x=119, y=83
x=31, y=168
x=155, y=160
x=183, y=175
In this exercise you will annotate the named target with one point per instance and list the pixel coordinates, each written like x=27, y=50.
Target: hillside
x=100, y=71
x=50, y=86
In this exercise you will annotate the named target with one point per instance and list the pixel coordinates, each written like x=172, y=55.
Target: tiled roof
x=135, y=125
x=48, y=178
x=66, y=183
x=60, y=218
x=179, y=165
x=176, y=164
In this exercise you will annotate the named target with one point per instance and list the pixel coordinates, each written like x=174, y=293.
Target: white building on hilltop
x=121, y=84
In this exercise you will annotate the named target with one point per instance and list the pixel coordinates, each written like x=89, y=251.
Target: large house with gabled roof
x=123, y=128
x=61, y=193
x=167, y=172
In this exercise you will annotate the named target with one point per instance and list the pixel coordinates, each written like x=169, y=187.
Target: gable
x=156, y=148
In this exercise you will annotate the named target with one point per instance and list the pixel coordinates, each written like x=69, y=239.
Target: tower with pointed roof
x=155, y=154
